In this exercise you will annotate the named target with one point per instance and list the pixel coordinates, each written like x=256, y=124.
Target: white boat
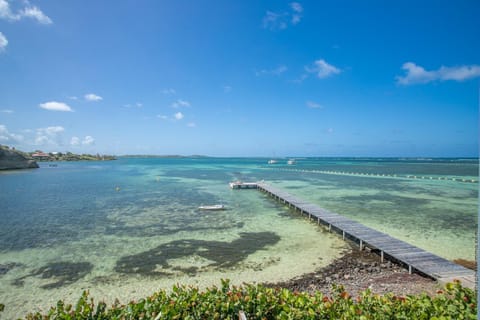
x=212, y=207
x=272, y=161
x=243, y=185
x=291, y=161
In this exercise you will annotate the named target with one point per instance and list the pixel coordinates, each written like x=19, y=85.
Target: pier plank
x=418, y=259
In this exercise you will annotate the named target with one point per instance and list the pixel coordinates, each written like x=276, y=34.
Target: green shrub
x=259, y=302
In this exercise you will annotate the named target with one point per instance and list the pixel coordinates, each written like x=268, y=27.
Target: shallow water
x=128, y=227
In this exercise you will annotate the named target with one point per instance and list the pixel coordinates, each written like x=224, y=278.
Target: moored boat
x=212, y=207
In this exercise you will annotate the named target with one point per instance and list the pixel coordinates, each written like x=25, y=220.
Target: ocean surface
x=125, y=228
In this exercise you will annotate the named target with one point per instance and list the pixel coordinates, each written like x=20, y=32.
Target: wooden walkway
x=414, y=258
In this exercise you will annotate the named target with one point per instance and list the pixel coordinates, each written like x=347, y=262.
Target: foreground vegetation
x=259, y=302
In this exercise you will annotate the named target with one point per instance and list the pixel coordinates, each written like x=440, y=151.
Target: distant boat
x=272, y=161
x=212, y=207
x=291, y=161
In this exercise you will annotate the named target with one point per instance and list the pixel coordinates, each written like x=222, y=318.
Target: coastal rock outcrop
x=12, y=159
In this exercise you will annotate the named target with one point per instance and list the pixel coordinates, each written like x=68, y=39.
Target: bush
x=259, y=302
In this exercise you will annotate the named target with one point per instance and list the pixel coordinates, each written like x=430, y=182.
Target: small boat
x=272, y=161
x=212, y=207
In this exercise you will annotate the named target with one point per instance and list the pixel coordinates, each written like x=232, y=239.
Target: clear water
x=126, y=228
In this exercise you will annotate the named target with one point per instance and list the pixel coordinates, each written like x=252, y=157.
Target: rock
x=13, y=159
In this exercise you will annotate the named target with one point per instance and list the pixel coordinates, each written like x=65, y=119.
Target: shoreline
x=357, y=271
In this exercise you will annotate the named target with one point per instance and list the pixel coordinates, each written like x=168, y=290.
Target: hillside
x=11, y=159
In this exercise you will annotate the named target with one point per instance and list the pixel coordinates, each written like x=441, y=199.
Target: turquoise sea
x=128, y=227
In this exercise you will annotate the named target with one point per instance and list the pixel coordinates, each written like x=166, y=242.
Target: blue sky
x=241, y=78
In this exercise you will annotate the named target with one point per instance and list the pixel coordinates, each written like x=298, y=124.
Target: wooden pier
x=412, y=257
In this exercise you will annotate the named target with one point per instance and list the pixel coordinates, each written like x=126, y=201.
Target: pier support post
x=329, y=227
x=318, y=220
x=361, y=244
x=409, y=269
x=381, y=256
x=343, y=235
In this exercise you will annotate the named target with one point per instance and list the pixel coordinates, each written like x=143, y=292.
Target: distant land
x=10, y=158
x=161, y=156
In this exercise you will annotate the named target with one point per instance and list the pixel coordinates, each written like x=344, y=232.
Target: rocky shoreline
x=357, y=271
x=11, y=159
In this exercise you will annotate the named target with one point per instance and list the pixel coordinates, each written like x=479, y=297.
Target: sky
x=241, y=78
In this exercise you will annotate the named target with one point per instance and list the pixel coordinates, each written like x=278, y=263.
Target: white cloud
x=416, y=74
x=55, y=106
x=280, y=21
x=227, y=89
x=178, y=116
x=161, y=116
x=191, y=124
x=35, y=13
x=28, y=11
x=275, y=72
x=323, y=69
x=169, y=91
x=180, y=103
x=6, y=111
x=49, y=135
x=275, y=21
x=7, y=137
x=297, y=12
x=92, y=97
x=73, y=97
x=136, y=105
x=313, y=105
x=75, y=141
x=88, y=140
x=3, y=42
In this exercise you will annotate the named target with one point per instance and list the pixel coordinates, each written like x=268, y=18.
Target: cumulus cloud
x=88, y=140
x=297, y=12
x=36, y=14
x=168, y=91
x=28, y=11
x=49, y=135
x=178, y=116
x=3, y=42
x=135, y=105
x=275, y=21
x=275, y=72
x=418, y=75
x=280, y=21
x=313, y=105
x=75, y=141
x=8, y=137
x=55, y=106
x=92, y=97
x=323, y=69
x=180, y=103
